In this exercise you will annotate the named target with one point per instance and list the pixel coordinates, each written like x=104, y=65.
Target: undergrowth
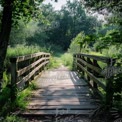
x=19, y=103
x=19, y=50
x=12, y=118
x=65, y=59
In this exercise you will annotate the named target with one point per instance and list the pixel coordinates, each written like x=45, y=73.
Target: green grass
x=22, y=50
x=12, y=118
x=55, y=62
x=21, y=100
x=65, y=59
x=6, y=79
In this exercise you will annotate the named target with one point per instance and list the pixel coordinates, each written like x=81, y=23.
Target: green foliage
x=113, y=51
x=81, y=43
x=21, y=100
x=105, y=7
x=74, y=47
x=46, y=31
x=23, y=50
x=5, y=103
x=55, y=62
x=22, y=96
x=6, y=79
x=32, y=85
x=67, y=60
x=12, y=118
x=4, y=95
x=23, y=31
x=26, y=10
x=112, y=37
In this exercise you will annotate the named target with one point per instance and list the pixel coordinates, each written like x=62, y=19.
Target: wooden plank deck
x=61, y=92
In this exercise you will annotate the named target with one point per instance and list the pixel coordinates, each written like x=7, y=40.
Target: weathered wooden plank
x=26, y=57
x=98, y=58
x=62, y=94
x=25, y=69
x=60, y=103
x=44, y=84
x=59, y=89
x=97, y=69
x=27, y=77
x=69, y=94
x=83, y=96
x=58, y=112
x=55, y=107
x=63, y=87
x=93, y=77
x=65, y=98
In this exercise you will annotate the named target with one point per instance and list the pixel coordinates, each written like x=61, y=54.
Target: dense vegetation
x=33, y=27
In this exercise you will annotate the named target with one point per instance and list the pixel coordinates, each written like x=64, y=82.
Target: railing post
x=73, y=65
x=75, y=61
x=109, y=83
x=95, y=74
x=88, y=69
x=48, y=59
x=82, y=57
x=78, y=69
x=13, y=78
x=40, y=63
x=44, y=61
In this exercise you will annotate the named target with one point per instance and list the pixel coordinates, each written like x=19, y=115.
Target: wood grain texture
x=60, y=90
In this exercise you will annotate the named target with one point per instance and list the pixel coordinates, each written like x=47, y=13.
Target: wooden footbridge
x=61, y=92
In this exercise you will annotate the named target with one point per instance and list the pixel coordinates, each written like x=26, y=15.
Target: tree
x=72, y=20
x=111, y=6
x=12, y=11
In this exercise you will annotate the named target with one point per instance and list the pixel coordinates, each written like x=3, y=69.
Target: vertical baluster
x=74, y=62
x=13, y=78
x=109, y=83
x=82, y=57
x=40, y=64
x=88, y=69
x=79, y=69
x=95, y=74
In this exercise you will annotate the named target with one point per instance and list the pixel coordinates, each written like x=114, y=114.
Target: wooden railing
x=24, y=68
x=95, y=70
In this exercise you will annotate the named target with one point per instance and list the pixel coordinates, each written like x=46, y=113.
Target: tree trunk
x=6, y=24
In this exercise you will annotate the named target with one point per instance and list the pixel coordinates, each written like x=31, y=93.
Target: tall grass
x=55, y=62
x=24, y=49
x=21, y=100
x=58, y=60
x=67, y=60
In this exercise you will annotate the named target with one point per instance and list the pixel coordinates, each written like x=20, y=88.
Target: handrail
x=24, y=68
x=89, y=68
